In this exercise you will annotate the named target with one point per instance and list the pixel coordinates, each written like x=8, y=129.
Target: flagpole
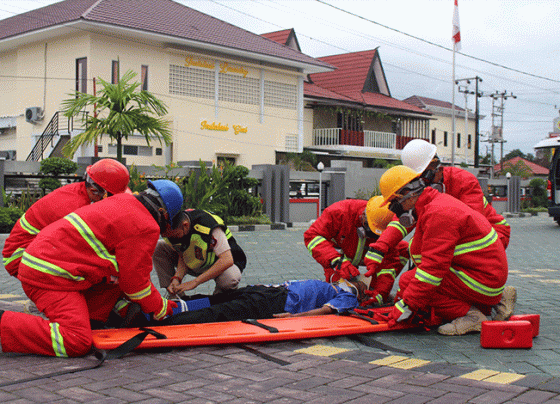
x=456, y=39
x=453, y=113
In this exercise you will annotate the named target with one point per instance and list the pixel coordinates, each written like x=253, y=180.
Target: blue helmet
x=170, y=194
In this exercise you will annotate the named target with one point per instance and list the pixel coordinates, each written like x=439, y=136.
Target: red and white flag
x=456, y=34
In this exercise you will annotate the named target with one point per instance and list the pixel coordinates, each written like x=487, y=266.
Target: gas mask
x=364, y=231
x=406, y=218
x=429, y=174
x=438, y=186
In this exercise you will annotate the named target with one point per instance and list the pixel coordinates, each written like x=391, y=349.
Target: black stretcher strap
x=264, y=355
x=371, y=342
x=101, y=356
x=261, y=325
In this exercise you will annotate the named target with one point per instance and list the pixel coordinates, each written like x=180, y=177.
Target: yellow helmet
x=394, y=179
x=378, y=216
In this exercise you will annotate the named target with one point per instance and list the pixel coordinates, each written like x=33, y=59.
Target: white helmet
x=417, y=154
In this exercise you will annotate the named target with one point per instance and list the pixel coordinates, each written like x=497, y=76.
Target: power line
x=437, y=45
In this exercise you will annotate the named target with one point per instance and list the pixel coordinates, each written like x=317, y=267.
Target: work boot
x=503, y=310
x=470, y=322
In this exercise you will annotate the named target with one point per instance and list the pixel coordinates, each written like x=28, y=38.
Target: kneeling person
x=202, y=246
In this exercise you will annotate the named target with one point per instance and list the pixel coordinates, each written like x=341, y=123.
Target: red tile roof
x=349, y=79
x=534, y=168
x=424, y=102
x=312, y=90
x=351, y=73
x=279, y=36
x=157, y=16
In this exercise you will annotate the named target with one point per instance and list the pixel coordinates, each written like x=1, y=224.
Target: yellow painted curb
x=389, y=360
x=322, y=350
x=409, y=364
x=480, y=374
x=504, y=378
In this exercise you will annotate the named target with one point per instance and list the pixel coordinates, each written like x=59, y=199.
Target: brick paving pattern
x=393, y=367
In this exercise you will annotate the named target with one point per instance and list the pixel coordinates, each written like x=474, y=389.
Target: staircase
x=54, y=137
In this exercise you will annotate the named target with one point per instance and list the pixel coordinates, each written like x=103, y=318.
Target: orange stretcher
x=252, y=331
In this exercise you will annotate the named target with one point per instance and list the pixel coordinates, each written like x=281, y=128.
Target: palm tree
x=121, y=111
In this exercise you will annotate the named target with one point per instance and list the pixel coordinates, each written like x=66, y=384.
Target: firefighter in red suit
x=105, y=177
x=461, y=265
x=78, y=267
x=339, y=238
x=421, y=157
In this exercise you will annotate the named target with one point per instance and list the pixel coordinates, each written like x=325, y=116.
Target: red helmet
x=109, y=174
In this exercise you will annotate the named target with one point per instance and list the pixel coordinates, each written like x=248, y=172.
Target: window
x=469, y=144
x=81, y=75
x=159, y=151
x=433, y=136
x=349, y=120
x=244, y=90
x=131, y=150
x=222, y=161
x=445, y=139
x=115, y=72
x=99, y=148
x=458, y=140
x=191, y=82
x=144, y=78
x=280, y=95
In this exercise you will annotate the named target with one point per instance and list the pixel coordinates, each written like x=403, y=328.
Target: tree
x=121, y=111
x=487, y=160
x=513, y=154
x=519, y=169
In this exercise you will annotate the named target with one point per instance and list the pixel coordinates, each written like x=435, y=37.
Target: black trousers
x=255, y=302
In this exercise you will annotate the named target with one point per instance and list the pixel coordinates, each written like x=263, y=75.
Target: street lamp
x=320, y=168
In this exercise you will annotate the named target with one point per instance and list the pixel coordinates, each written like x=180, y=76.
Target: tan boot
x=505, y=308
x=470, y=322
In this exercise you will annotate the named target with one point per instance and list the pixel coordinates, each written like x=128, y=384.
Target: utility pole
x=477, y=94
x=497, y=130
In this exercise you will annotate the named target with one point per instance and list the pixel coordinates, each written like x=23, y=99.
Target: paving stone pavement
x=433, y=369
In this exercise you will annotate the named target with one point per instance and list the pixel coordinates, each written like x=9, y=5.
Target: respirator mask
x=430, y=173
x=407, y=218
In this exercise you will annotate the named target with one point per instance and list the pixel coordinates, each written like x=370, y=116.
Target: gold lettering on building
x=190, y=61
x=213, y=126
x=239, y=129
x=226, y=67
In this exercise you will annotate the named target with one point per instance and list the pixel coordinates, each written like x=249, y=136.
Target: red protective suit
x=464, y=186
x=76, y=268
x=459, y=260
x=334, y=235
x=45, y=211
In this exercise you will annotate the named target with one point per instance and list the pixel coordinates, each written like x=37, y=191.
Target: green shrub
x=58, y=166
x=49, y=183
x=9, y=217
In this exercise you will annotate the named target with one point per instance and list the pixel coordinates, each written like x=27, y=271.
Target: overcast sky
x=513, y=45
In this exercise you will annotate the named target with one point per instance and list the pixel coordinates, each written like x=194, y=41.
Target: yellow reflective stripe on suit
x=91, y=239
x=314, y=242
x=25, y=225
x=57, y=340
x=48, y=268
x=17, y=254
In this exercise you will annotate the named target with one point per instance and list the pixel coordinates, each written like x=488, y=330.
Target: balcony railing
x=367, y=138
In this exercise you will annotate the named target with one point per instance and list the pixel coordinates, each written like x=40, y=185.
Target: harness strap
x=254, y=322
x=101, y=356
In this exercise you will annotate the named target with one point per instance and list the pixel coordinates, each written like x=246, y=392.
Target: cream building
x=231, y=94
x=441, y=129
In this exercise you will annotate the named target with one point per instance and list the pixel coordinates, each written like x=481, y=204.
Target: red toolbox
x=506, y=334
